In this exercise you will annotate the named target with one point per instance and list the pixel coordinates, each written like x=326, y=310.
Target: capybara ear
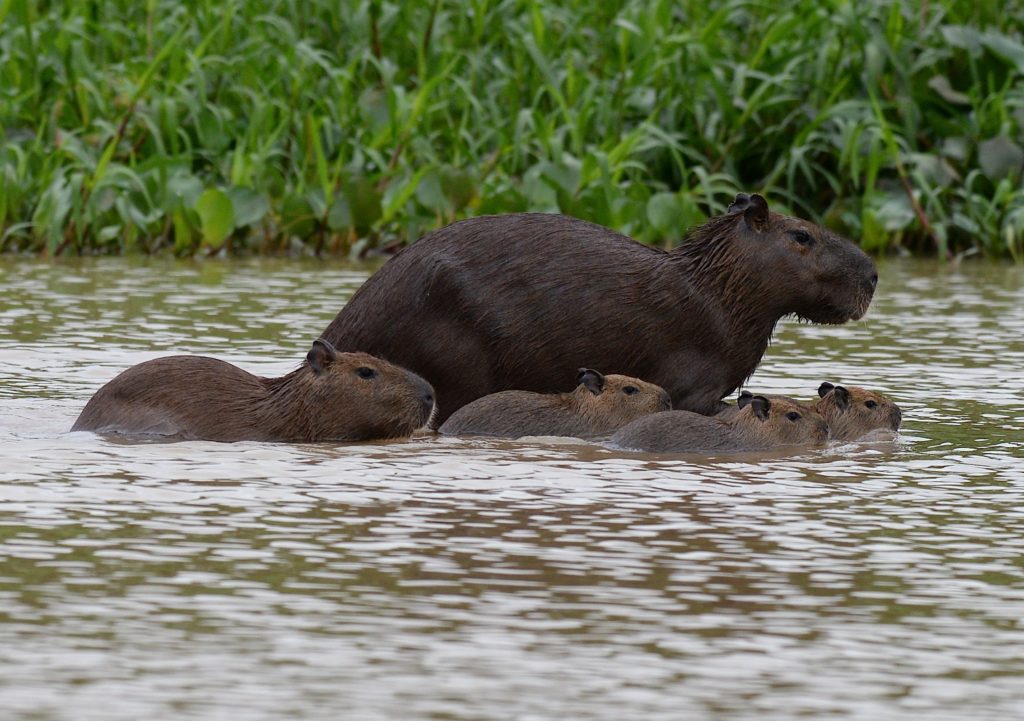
x=320, y=355
x=741, y=203
x=761, y=406
x=744, y=400
x=591, y=380
x=824, y=388
x=842, y=396
x=756, y=213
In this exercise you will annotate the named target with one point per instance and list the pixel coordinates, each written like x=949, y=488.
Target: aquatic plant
x=209, y=126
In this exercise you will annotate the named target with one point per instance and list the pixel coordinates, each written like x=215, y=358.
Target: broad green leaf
x=665, y=213
x=216, y=216
x=1000, y=157
x=248, y=205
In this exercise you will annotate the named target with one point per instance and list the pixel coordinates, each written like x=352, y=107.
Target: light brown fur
x=326, y=399
x=853, y=416
x=760, y=425
x=581, y=413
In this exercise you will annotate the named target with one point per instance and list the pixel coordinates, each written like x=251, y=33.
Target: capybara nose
x=426, y=390
x=873, y=280
x=666, y=401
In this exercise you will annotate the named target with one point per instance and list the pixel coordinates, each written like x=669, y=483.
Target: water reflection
x=445, y=578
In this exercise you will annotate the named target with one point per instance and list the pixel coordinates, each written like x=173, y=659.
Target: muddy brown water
x=456, y=579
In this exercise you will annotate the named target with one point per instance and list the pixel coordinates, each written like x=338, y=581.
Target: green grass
x=262, y=126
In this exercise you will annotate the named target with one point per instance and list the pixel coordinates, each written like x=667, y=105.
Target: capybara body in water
x=850, y=412
x=761, y=424
x=597, y=407
x=331, y=397
x=519, y=301
x=853, y=412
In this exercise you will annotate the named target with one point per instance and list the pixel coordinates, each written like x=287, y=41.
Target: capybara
x=331, y=397
x=761, y=424
x=853, y=412
x=597, y=407
x=519, y=301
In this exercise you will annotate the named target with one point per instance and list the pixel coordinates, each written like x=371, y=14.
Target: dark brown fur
x=760, y=425
x=853, y=412
x=519, y=301
x=597, y=407
x=326, y=399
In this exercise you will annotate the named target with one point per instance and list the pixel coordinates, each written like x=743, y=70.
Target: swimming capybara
x=853, y=412
x=331, y=397
x=597, y=407
x=759, y=425
x=519, y=301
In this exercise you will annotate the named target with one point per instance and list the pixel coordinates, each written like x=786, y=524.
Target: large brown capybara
x=760, y=425
x=596, y=408
x=331, y=397
x=519, y=301
x=853, y=412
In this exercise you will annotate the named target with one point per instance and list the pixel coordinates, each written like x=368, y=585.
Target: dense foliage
x=337, y=125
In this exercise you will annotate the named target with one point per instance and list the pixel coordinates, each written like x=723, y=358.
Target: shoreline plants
x=337, y=126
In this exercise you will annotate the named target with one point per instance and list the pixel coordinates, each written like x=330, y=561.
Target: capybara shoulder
x=853, y=412
x=759, y=425
x=517, y=301
x=331, y=397
x=595, y=408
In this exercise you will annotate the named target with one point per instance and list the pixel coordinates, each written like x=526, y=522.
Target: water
x=449, y=579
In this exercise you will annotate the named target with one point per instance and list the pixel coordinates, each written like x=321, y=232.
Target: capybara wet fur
x=331, y=397
x=520, y=301
x=760, y=424
x=853, y=412
x=596, y=408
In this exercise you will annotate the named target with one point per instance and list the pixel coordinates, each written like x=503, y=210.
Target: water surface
x=449, y=579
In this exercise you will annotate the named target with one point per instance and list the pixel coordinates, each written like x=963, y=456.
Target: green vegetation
x=335, y=125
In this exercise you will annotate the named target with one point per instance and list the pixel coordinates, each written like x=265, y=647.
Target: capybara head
x=854, y=412
x=356, y=395
x=779, y=421
x=611, y=401
x=828, y=279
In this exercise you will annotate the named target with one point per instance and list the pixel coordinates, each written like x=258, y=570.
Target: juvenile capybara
x=597, y=407
x=519, y=301
x=331, y=397
x=853, y=412
x=759, y=425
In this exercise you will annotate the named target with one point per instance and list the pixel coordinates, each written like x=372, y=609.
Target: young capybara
x=761, y=424
x=331, y=397
x=597, y=407
x=519, y=301
x=853, y=412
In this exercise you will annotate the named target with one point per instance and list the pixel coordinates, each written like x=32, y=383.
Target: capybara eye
x=630, y=390
x=871, y=404
x=793, y=416
x=366, y=373
x=802, y=237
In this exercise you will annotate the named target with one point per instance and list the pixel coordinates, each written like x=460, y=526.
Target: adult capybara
x=331, y=397
x=597, y=407
x=853, y=412
x=519, y=301
x=761, y=424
